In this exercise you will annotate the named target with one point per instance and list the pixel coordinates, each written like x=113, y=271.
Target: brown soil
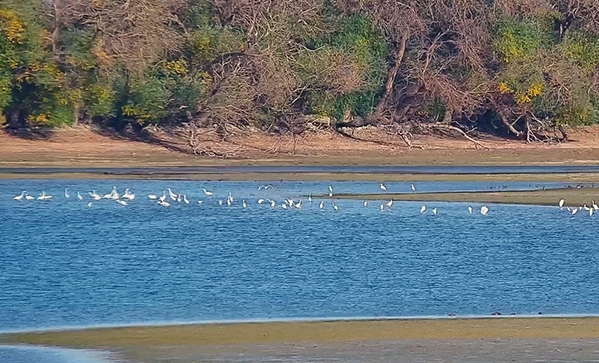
x=85, y=147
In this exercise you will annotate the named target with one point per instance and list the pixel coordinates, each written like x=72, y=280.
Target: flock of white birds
x=168, y=197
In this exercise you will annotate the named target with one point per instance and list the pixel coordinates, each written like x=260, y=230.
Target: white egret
x=243, y=203
x=179, y=199
x=66, y=193
x=595, y=206
x=207, y=192
x=310, y=197
x=89, y=204
x=20, y=196
x=365, y=203
x=382, y=206
x=94, y=195
x=128, y=195
x=185, y=200
x=163, y=203
x=435, y=211
x=29, y=197
x=383, y=187
x=79, y=196
x=561, y=203
x=229, y=202
x=273, y=203
x=152, y=196
x=591, y=212
x=172, y=195
x=284, y=206
x=335, y=207
x=121, y=202
x=220, y=202
x=469, y=210
x=321, y=205
x=484, y=210
x=574, y=211
x=423, y=209
x=390, y=203
x=298, y=205
x=260, y=201
x=413, y=187
x=163, y=197
x=330, y=189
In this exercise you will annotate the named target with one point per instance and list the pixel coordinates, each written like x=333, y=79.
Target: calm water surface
x=65, y=264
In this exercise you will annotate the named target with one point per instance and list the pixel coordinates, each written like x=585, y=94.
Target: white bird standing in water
x=207, y=192
x=469, y=210
x=66, y=193
x=20, y=196
x=365, y=203
x=94, y=195
x=243, y=203
x=163, y=203
x=423, y=209
x=335, y=207
x=310, y=198
x=591, y=212
x=79, y=196
x=484, y=210
x=390, y=203
x=260, y=201
x=273, y=204
x=185, y=200
x=382, y=206
x=29, y=197
x=172, y=195
x=128, y=195
x=321, y=205
x=152, y=196
x=435, y=211
x=595, y=206
x=413, y=187
x=383, y=187
x=574, y=211
x=163, y=197
x=561, y=203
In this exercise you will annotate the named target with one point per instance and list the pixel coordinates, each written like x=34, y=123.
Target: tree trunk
x=57, y=24
x=391, y=77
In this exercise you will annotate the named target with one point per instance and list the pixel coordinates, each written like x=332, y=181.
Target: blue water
x=65, y=264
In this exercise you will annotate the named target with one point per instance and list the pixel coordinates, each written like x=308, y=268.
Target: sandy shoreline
x=512, y=327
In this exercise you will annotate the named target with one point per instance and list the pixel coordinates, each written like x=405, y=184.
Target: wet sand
x=477, y=340
x=573, y=197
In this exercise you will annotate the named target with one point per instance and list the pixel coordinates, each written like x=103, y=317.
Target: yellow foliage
x=504, y=88
x=41, y=118
x=13, y=27
x=178, y=67
x=535, y=90
x=523, y=98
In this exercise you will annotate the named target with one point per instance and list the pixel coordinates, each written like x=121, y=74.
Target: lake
x=64, y=264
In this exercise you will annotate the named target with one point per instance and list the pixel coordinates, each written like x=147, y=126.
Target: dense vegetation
x=509, y=67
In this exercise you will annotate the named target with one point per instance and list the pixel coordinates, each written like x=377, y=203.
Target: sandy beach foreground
x=323, y=332
x=383, y=340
